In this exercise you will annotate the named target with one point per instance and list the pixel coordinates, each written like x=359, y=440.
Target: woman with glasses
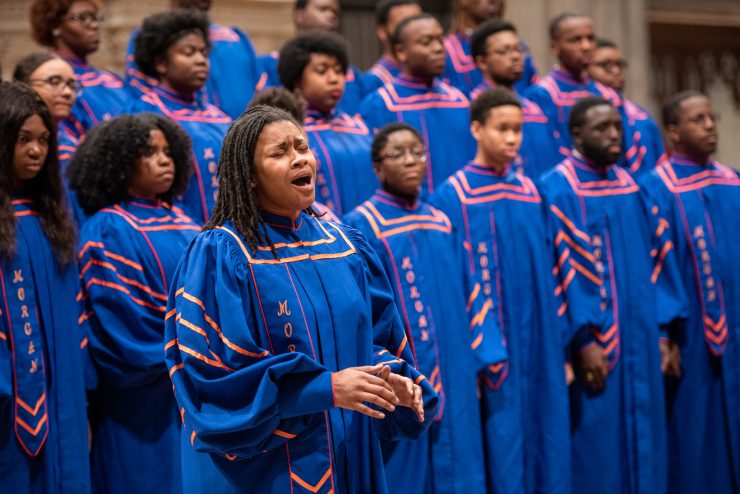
x=314, y=65
x=71, y=28
x=423, y=258
x=54, y=81
x=43, y=422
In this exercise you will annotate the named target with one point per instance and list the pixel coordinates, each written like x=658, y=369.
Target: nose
x=34, y=149
x=438, y=46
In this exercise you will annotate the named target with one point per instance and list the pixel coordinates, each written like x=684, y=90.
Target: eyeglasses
x=611, y=65
x=502, y=52
x=57, y=83
x=86, y=18
x=702, y=117
x=397, y=156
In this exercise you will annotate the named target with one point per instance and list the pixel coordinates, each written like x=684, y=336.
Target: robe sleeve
x=577, y=281
x=390, y=345
x=237, y=398
x=374, y=112
x=673, y=302
x=125, y=302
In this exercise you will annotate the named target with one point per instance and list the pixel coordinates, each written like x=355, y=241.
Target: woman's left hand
x=407, y=392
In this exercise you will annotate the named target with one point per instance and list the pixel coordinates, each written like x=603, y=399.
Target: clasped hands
x=376, y=384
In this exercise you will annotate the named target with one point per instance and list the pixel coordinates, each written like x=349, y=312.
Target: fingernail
x=393, y=409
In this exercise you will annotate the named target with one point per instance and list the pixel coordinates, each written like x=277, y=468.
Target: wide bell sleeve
x=236, y=397
x=391, y=346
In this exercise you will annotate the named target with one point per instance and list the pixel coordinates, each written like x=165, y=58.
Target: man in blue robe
x=499, y=213
x=602, y=241
x=462, y=71
x=438, y=111
x=388, y=14
x=314, y=64
x=234, y=69
x=572, y=42
x=698, y=272
x=496, y=48
x=643, y=143
x=320, y=15
x=450, y=323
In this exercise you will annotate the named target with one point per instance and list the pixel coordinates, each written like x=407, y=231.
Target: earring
x=56, y=32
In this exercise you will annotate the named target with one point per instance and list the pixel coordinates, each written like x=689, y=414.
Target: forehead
x=317, y=58
x=694, y=104
x=399, y=12
x=502, y=37
x=401, y=138
x=504, y=113
x=192, y=38
x=275, y=133
x=323, y=4
x=33, y=124
x=420, y=28
x=600, y=113
x=575, y=25
x=55, y=66
x=82, y=6
x=608, y=52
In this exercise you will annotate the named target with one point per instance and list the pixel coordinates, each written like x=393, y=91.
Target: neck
x=498, y=167
x=65, y=51
x=598, y=167
x=425, y=79
x=140, y=194
x=579, y=75
x=507, y=84
x=696, y=157
x=187, y=95
x=409, y=199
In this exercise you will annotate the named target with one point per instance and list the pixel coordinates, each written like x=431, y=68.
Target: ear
x=476, y=129
x=381, y=34
x=554, y=48
x=672, y=131
x=480, y=62
x=160, y=65
x=400, y=53
x=297, y=18
x=576, y=136
x=56, y=32
x=378, y=169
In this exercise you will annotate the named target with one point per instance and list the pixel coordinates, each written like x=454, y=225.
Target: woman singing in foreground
x=286, y=351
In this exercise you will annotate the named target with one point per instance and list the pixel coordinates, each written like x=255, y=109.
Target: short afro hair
x=296, y=53
x=605, y=43
x=107, y=160
x=577, y=115
x=162, y=30
x=398, y=33
x=47, y=15
x=484, y=31
x=381, y=138
x=489, y=99
x=279, y=97
x=672, y=108
x=554, y=27
x=384, y=7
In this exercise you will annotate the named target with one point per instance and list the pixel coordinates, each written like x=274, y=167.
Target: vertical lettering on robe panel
x=283, y=312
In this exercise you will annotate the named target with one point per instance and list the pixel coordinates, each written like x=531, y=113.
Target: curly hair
x=19, y=103
x=485, y=31
x=279, y=97
x=481, y=107
x=381, y=138
x=237, y=200
x=105, y=162
x=162, y=30
x=47, y=15
x=296, y=53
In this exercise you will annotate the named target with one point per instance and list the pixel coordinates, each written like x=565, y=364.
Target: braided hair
x=237, y=200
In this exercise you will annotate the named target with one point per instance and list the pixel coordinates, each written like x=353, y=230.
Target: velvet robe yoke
x=252, y=341
x=453, y=332
x=603, y=242
x=525, y=399
x=439, y=112
x=462, y=72
x=643, y=141
x=700, y=276
x=206, y=125
x=234, y=75
x=128, y=255
x=103, y=95
x=59, y=413
x=341, y=144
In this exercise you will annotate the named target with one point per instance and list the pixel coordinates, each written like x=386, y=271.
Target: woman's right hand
x=355, y=386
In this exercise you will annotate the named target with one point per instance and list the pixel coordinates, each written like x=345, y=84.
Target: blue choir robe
x=252, y=341
x=234, y=70
x=354, y=90
x=643, y=141
x=556, y=93
x=699, y=274
x=441, y=115
x=462, y=72
x=381, y=73
x=128, y=255
x=525, y=403
x=602, y=240
x=537, y=152
x=103, y=95
x=66, y=147
x=206, y=125
x=452, y=331
x=43, y=440
x=341, y=145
